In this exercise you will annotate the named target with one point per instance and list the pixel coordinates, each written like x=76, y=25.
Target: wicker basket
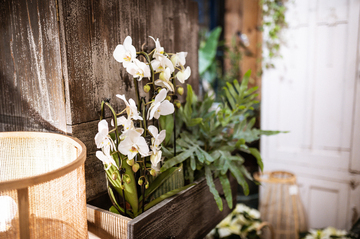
x=42, y=186
x=280, y=204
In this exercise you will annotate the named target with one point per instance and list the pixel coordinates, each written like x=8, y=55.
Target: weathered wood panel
x=93, y=29
x=56, y=63
x=192, y=213
x=32, y=91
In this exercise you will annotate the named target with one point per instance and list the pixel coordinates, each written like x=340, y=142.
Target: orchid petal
x=153, y=130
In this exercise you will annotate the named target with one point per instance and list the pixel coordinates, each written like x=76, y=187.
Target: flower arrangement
x=131, y=151
x=329, y=233
x=243, y=222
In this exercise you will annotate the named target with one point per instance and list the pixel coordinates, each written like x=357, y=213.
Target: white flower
x=138, y=69
x=179, y=59
x=133, y=144
x=160, y=106
x=127, y=124
x=182, y=76
x=103, y=141
x=155, y=159
x=164, y=80
x=228, y=226
x=159, y=50
x=157, y=139
x=131, y=108
x=126, y=52
x=102, y=138
x=106, y=158
x=253, y=213
x=240, y=208
x=161, y=63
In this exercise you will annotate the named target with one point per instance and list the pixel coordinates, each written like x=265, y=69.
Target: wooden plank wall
x=56, y=63
x=245, y=16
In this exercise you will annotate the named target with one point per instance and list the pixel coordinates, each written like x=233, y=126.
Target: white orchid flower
x=164, y=80
x=160, y=106
x=182, y=76
x=159, y=50
x=127, y=124
x=179, y=59
x=102, y=138
x=131, y=108
x=106, y=158
x=138, y=70
x=157, y=139
x=125, y=53
x=161, y=62
x=133, y=144
x=155, y=160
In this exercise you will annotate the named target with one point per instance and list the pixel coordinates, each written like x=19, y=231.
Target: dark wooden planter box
x=190, y=214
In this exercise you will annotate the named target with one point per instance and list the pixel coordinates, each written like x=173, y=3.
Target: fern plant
x=207, y=136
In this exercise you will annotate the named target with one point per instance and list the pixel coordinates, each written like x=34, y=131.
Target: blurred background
x=304, y=57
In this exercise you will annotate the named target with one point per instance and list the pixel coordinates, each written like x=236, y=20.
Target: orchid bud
x=141, y=181
x=177, y=104
x=128, y=180
x=114, y=176
x=147, y=88
x=135, y=167
x=130, y=162
x=168, y=97
x=122, y=187
x=180, y=90
x=147, y=185
x=153, y=172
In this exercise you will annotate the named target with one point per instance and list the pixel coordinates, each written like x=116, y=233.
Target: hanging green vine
x=273, y=22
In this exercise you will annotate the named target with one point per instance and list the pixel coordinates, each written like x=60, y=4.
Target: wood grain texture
x=32, y=91
x=92, y=30
x=57, y=65
x=193, y=213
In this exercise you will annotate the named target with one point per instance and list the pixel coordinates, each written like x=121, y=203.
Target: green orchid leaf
x=131, y=195
x=212, y=188
x=225, y=183
x=166, y=195
x=177, y=159
x=159, y=180
x=113, y=200
x=167, y=123
x=114, y=210
x=257, y=155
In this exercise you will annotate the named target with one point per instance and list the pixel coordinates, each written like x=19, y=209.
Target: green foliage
x=274, y=21
x=207, y=52
x=209, y=136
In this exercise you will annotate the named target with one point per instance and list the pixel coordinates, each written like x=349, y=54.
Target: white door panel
x=314, y=92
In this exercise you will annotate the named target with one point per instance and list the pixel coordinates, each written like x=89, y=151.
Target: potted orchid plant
x=131, y=148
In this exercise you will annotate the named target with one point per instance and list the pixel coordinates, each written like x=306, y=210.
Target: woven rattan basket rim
x=271, y=179
x=45, y=177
